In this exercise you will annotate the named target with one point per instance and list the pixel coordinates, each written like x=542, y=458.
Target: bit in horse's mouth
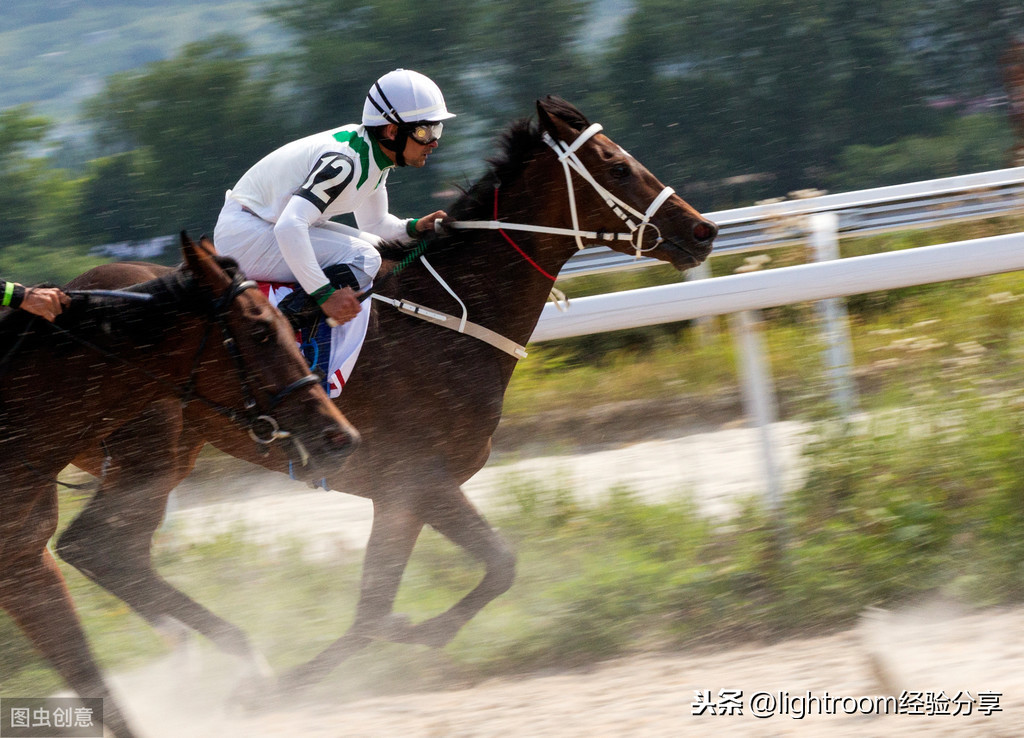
x=686, y=256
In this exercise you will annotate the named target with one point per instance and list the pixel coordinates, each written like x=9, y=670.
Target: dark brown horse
x=200, y=335
x=425, y=399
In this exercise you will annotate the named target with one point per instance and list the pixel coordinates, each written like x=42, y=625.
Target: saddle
x=302, y=311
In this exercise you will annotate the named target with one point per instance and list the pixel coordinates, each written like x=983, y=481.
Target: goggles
x=425, y=133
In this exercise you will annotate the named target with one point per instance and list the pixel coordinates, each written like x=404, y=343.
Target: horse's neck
x=500, y=287
x=163, y=337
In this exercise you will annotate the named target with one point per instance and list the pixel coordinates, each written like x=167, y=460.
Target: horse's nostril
x=704, y=231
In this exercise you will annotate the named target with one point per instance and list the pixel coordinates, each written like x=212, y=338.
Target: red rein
x=522, y=253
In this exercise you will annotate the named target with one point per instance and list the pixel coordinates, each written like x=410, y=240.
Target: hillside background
x=125, y=121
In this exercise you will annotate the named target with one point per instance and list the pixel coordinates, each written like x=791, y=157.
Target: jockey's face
x=415, y=153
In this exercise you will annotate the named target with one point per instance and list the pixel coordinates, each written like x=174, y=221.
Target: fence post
x=836, y=325
x=758, y=396
x=705, y=323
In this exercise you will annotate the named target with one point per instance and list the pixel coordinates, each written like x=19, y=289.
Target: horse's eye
x=620, y=170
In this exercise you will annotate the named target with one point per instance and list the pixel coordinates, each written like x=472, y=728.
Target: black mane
x=517, y=146
x=100, y=319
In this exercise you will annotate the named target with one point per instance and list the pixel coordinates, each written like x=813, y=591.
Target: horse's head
x=266, y=377
x=615, y=195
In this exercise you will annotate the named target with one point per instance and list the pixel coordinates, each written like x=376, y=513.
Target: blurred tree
x=534, y=49
x=113, y=206
x=956, y=45
x=198, y=121
x=764, y=88
x=23, y=173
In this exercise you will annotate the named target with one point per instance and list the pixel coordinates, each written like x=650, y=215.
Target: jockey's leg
x=251, y=242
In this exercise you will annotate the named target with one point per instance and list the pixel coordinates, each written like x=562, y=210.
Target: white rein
x=571, y=162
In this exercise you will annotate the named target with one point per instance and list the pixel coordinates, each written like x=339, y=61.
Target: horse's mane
x=517, y=146
x=100, y=318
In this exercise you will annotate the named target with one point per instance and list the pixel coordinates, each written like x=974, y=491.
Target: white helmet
x=404, y=96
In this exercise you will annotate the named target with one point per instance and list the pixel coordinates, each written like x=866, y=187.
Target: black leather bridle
x=261, y=425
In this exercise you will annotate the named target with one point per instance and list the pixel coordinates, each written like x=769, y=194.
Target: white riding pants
x=250, y=240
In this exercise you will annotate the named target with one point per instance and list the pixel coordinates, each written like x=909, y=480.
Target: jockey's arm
x=373, y=217
x=46, y=302
x=292, y=234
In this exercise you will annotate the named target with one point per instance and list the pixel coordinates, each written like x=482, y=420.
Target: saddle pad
x=333, y=351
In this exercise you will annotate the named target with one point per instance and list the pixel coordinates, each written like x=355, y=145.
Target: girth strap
x=459, y=325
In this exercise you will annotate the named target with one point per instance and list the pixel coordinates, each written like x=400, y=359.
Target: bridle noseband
x=571, y=163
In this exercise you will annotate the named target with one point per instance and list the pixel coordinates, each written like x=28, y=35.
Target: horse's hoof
x=256, y=688
x=252, y=696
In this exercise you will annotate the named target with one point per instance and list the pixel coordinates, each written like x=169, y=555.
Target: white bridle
x=570, y=163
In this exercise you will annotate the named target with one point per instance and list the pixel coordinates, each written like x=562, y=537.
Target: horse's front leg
x=396, y=525
x=33, y=591
x=395, y=529
x=111, y=539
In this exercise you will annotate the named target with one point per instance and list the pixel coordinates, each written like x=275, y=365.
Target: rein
x=571, y=163
x=263, y=428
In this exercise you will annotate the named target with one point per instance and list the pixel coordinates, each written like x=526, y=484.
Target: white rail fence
x=741, y=294
x=879, y=210
x=820, y=221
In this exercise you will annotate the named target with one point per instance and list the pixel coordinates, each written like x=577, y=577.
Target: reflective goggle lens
x=426, y=133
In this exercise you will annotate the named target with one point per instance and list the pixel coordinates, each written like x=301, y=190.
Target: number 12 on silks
x=328, y=178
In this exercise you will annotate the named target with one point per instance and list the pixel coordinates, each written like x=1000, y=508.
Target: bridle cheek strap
x=571, y=163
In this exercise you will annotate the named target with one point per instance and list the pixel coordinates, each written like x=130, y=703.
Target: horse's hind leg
x=32, y=590
x=392, y=538
x=111, y=540
x=397, y=521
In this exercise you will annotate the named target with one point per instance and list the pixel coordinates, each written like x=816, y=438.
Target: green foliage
x=976, y=142
x=199, y=120
x=21, y=173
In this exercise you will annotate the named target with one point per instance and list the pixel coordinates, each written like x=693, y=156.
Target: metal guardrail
x=864, y=212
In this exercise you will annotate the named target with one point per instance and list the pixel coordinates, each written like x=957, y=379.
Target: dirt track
x=932, y=649
x=929, y=650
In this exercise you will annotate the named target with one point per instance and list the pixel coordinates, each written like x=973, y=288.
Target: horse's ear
x=560, y=118
x=199, y=260
x=206, y=243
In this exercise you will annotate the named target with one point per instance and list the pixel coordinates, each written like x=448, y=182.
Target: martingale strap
x=459, y=325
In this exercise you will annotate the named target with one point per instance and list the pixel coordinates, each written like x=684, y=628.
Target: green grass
x=898, y=336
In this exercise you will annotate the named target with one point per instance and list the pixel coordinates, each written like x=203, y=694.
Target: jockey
x=46, y=302
x=276, y=220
